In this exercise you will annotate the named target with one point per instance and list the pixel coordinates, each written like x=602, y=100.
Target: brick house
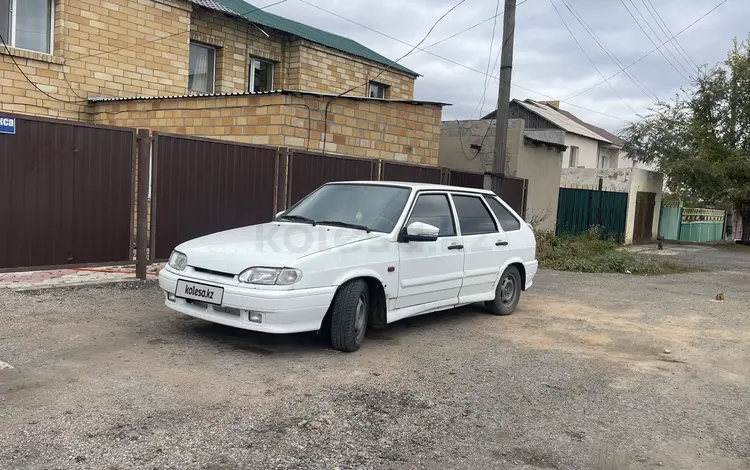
x=213, y=68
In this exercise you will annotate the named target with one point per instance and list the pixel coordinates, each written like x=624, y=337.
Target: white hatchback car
x=357, y=254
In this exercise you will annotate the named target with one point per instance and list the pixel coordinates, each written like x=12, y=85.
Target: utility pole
x=503, y=97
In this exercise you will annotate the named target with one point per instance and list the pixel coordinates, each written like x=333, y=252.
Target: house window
x=604, y=161
x=202, y=68
x=573, y=159
x=27, y=24
x=377, y=90
x=261, y=75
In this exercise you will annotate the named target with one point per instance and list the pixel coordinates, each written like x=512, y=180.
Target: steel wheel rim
x=360, y=319
x=507, y=289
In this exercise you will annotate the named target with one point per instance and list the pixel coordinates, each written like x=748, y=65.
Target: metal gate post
x=144, y=143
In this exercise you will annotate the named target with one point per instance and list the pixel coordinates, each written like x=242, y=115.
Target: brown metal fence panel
x=309, y=171
x=65, y=194
x=512, y=190
x=411, y=173
x=466, y=179
x=202, y=186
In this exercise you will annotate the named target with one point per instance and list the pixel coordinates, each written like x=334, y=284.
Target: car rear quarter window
x=473, y=216
x=506, y=219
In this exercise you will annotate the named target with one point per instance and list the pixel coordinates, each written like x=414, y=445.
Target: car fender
x=513, y=260
x=391, y=289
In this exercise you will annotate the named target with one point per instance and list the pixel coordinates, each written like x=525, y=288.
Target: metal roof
x=560, y=120
x=616, y=141
x=104, y=99
x=255, y=15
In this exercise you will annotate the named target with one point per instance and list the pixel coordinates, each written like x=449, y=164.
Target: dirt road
x=593, y=372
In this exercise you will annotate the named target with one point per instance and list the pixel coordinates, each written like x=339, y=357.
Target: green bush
x=588, y=253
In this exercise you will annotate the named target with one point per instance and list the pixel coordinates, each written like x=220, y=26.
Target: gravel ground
x=578, y=378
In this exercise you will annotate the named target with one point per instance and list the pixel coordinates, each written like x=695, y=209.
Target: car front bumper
x=282, y=311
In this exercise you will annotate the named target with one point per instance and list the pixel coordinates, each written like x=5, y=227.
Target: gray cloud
x=546, y=58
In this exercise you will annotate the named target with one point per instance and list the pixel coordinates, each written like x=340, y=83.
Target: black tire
x=507, y=293
x=347, y=324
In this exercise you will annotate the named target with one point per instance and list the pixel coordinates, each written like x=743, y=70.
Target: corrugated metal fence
x=66, y=194
x=691, y=224
x=202, y=186
x=68, y=190
x=579, y=210
x=308, y=171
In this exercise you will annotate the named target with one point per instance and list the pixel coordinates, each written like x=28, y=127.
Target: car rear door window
x=473, y=216
x=434, y=209
x=506, y=219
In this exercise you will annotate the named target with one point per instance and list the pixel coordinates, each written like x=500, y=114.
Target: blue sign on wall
x=7, y=125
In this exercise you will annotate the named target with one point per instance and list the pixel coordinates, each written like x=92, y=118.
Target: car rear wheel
x=507, y=293
x=349, y=316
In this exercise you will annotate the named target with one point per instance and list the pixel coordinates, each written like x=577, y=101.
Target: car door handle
x=456, y=247
x=501, y=243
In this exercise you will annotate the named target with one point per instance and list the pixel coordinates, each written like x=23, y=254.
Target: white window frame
x=385, y=87
x=12, y=27
x=602, y=159
x=251, y=72
x=573, y=157
x=213, y=82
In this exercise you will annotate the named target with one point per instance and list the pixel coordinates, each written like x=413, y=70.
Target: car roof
x=417, y=186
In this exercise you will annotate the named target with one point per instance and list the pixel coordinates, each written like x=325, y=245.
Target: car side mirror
x=278, y=214
x=421, y=232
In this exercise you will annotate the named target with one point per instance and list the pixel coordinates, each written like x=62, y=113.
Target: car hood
x=275, y=244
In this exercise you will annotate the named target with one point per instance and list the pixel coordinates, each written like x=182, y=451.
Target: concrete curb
x=80, y=285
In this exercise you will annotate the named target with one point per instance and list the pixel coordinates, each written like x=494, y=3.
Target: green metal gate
x=580, y=210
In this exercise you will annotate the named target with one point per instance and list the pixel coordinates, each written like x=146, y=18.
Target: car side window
x=506, y=219
x=435, y=210
x=473, y=216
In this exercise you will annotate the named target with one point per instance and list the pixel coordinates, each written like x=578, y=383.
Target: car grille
x=216, y=308
x=210, y=271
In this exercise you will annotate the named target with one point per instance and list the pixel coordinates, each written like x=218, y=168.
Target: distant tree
x=701, y=140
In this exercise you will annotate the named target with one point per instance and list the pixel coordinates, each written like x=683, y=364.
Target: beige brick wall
x=102, y=48
x=130, y=48
x=237, y=42
x=391, y=131
x=313, y=67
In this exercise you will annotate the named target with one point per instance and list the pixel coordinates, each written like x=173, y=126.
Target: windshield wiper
x=344, y=224
x=298, y=218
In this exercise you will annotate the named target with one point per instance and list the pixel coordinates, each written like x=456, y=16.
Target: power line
x=458, y=64
x=434, y=25
x=652, y=41
x=489, y=59
x=12, y=58
x=589, y=57
x=650, y=52
x=642, y=86
x=668, y=33
x=97, y=54
x=472, y=27
x=656, y=35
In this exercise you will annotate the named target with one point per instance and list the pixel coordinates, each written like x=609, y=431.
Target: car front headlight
x=270, y=276
x=178, y=261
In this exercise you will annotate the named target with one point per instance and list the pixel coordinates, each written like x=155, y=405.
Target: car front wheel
x=507, y=293
x=349, y=316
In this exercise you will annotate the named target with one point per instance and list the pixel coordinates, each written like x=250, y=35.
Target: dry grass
x=589, y=254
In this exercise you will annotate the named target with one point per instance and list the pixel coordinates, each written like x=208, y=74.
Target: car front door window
x=430, y=272
x=434, y=209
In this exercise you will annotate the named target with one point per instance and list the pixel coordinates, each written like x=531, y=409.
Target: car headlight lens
x=270, y=276
x=178, y=260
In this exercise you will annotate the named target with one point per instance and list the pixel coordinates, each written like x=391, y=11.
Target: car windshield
x=365, y=206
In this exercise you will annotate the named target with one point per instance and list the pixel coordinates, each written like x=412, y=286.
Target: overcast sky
x=546, y=58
